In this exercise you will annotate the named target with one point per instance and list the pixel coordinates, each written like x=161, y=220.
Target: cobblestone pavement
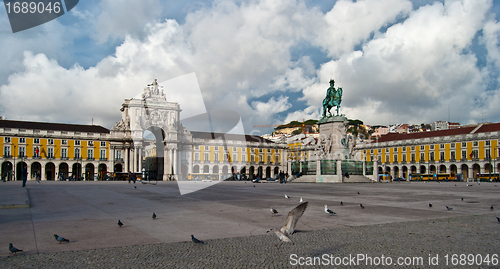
x=415, y=243
x=397, y=226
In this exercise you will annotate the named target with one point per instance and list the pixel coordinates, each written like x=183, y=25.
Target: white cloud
x=240, y=53
x=120, y=18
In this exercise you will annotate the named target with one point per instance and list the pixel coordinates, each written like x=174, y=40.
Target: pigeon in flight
x=120, y=223
x=329, y=211
x=274, y=211
x=289, y=225
x=449, y=208
x=196, y=240
x=362, y=206
x=430, y=205
x=341, y=203
x=60, y=239
x=13, y=250
x=154, y=215
x=287, y=197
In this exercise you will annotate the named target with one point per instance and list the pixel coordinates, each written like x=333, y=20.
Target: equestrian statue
x=333, y=98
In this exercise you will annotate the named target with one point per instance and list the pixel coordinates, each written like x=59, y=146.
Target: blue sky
x=398, y=61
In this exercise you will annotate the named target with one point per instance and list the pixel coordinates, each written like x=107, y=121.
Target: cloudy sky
x=398, y=61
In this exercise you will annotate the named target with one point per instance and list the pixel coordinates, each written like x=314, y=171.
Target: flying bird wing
x=293, y=216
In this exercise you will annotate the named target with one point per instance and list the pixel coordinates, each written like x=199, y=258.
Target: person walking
x=25, y=175
x=37, y=175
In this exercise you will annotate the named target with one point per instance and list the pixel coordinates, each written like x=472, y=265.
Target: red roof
x=491, y=127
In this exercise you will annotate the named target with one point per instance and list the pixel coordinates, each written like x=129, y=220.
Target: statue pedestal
x=334, y=130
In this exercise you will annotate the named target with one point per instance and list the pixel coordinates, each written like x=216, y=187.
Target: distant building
x=469, y=151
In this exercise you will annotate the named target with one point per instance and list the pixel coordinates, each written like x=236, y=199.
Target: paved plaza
x=396, y=225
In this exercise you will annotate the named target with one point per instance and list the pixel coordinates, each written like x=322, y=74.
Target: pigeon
x=135, y=187
x=362, y=206
x=359, y=193
x=341, y=203
x=498, y=219
x=196, y=240
x=287, y=197
x=491, y=208
x=449, y=208
x=300, y=201
x=120, y=223
x=154, y=215
x=13, y=250
x=329, y=211
x=274, y=211
x=60, y=238
x=462, y=198
x=430, y=205
x=289, y=225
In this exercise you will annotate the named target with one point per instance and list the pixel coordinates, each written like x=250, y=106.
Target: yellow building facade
x=467, y=152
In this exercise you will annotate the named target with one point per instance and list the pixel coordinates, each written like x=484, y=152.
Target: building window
x=119, y=155
x=464, y=144
x=103, y=154
x=475, y=143
x=216, y=156
x=64, y=142
x=77, y=153
x=206, y=158
x=103, y=144
x=6, y=151
x=371, y=151
x=432, y=146
x=413, y=148
x=36, y=152
x=452, y=155
x=432, y=156
x=50, y=153
x=90, y=154
x=90, y=143
x=22, y=140
x=404, y=149
x=404, y=157
x=50, y=141
x=196, y=147
x=441, y=146
x=252, y=158
x=7, y=140
x=441, y=156
x=260, y=150
x=64, y=153
x=413, y=157
x=487, y=142
x=452, y=145
x=475, y=154
x=196, y=156
x=277, y=159
x=464, y=155
x=395, y=158
x=207, y=148
x=386, y=158
x=77, y=143
x=422, y=157
x=243, y=157
x=422, y=147
x=22, y=151
x=487, y=154
x=36, y=140
x=234, y=158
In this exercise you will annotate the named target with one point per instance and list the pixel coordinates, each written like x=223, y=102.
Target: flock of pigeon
x=283, y=233
x=288, y=227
